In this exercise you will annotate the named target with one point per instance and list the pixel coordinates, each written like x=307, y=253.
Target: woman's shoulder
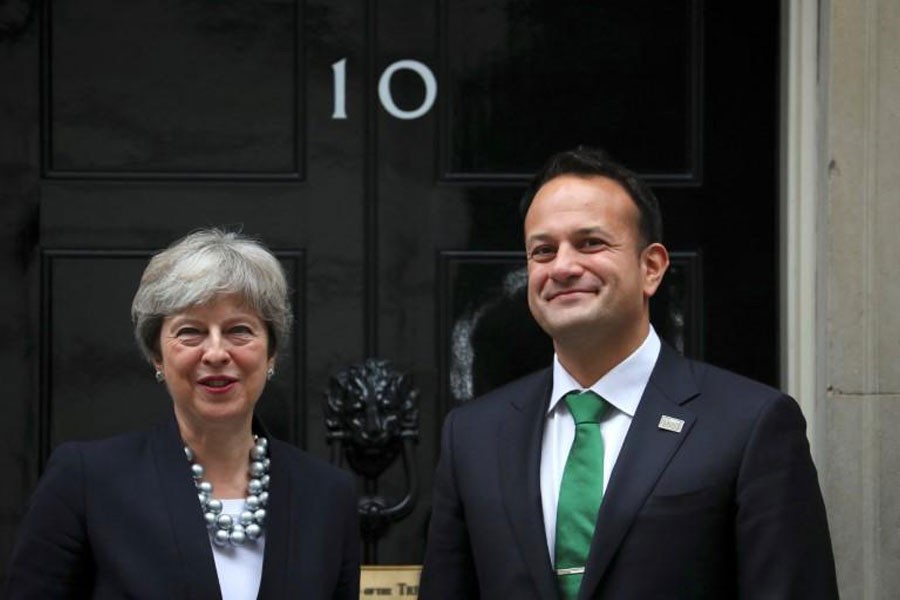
x=124, y=451
x=305, y=463
x=109, y=447
x=76, y=465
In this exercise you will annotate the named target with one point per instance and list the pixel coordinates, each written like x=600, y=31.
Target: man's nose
x=567, y=263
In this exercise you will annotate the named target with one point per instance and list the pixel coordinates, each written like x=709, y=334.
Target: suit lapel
x=645, y=454
x=191, y=535
x=180, y=497
x=520, y=453
x=279, y=525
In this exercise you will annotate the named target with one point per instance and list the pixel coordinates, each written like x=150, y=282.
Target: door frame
x=801, y=177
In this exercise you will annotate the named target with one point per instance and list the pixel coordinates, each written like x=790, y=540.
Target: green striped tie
x=580, y=493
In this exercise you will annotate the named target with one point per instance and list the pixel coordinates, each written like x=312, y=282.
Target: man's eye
x=592, y=243
x=541, y=253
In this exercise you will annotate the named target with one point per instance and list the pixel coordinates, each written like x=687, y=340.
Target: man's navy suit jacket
x=119, y=518
x=729, y=507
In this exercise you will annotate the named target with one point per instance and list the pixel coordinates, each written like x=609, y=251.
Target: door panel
x=126, y=126
x=173, y=89
x=554, y=75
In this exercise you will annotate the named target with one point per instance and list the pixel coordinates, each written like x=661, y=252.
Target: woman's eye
x=241, y=334
x=189, y=335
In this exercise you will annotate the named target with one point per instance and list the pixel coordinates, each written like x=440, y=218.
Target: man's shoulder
x=710, y=376
x=714, y=383
x=517, y=394
x=721, y=400
x=539, y=380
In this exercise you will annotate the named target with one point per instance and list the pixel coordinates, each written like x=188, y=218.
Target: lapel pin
x=670, y=423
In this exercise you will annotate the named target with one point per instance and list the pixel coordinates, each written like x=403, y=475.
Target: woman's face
x=214, y=358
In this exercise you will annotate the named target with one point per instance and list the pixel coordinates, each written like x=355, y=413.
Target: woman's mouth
x=217, y=383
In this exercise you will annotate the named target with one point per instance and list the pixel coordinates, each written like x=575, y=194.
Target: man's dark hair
x=593, y=162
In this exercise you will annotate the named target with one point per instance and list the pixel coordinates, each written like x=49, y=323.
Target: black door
x=380, y=148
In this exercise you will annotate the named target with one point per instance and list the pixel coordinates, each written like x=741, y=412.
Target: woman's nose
x=215, y=350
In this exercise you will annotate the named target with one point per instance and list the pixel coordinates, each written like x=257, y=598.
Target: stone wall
x=859, y=291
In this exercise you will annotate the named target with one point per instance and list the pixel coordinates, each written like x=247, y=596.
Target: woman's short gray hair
x=201, y=266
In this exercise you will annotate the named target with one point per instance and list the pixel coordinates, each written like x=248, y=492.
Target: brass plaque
x=390, y=582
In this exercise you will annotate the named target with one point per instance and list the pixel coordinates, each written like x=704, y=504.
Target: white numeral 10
x=339, y=70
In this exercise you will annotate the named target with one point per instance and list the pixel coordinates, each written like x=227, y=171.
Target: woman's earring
x=159, y=376
x=270, y=373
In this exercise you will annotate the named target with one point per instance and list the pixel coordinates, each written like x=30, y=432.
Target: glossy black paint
x=126, y=125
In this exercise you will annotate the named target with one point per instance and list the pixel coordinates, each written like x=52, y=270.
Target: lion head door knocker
x=371, y=411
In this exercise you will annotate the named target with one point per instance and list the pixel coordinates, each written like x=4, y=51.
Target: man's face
x=587, y=274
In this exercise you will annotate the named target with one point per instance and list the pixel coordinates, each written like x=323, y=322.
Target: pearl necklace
x=232, y=530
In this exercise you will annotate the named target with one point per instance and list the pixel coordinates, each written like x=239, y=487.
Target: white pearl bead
x=253, y=531
x=237, y=538
x=224, y=522
x=248, y=525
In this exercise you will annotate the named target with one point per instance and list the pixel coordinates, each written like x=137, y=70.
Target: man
x=684, y=481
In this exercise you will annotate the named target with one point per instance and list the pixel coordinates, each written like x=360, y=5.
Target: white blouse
x=239, y=567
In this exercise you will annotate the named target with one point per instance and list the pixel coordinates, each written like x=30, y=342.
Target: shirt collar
x=622, y=386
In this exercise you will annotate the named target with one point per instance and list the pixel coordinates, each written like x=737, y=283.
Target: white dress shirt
x=622, y=387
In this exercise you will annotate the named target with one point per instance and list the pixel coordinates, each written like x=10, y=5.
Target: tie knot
x=586, y=407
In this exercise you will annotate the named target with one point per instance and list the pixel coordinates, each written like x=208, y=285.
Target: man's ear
x=654, y=263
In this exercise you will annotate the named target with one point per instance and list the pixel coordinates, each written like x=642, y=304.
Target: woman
x=207, y=504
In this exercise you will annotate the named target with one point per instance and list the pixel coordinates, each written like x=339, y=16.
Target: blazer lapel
x=278, y=523
x=520, y=453
x=199, y=579
x=645, y=454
